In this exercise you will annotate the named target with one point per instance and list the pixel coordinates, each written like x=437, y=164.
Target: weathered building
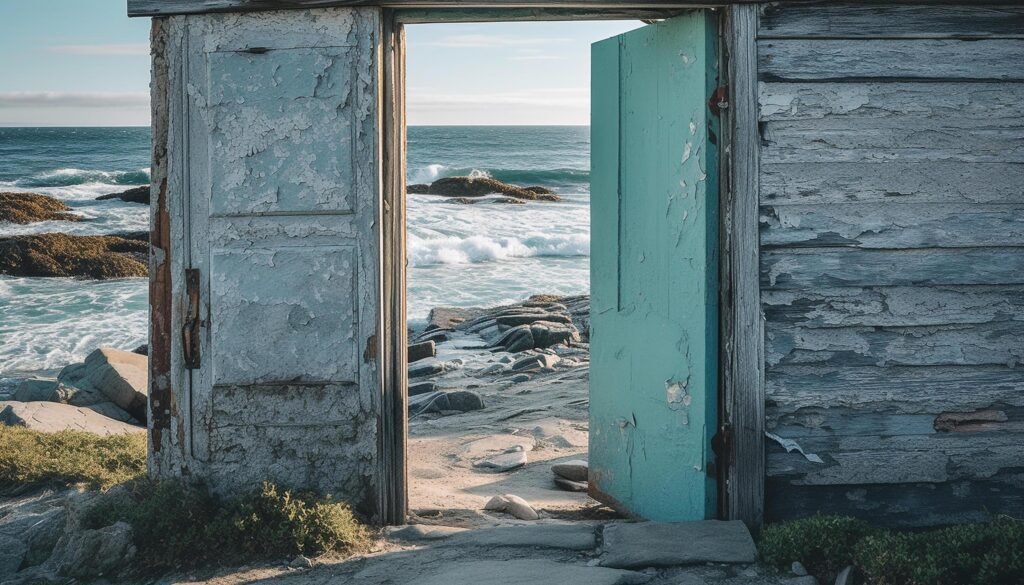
x=855, y=175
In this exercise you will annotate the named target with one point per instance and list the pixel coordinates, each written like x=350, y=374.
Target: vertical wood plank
x=743, y=324
x=394, y=423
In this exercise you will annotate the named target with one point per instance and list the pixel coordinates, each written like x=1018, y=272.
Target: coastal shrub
x=823, y=544
x=990, y=553
x=986, y=553
x=30, y=459
x=178, y=524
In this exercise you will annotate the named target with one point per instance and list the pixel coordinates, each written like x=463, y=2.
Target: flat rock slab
x=565, y=536
x=529, y=572
x=668, y=544
x=423, y=532
x=53, y=417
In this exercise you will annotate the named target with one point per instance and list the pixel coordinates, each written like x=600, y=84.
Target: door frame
x=739, y=444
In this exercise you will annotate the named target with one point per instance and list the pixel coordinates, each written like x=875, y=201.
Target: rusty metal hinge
x=719, y=100
x=190, y=329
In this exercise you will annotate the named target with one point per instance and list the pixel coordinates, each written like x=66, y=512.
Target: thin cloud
x=65, y=99
x=492, y=41
x=110, y=49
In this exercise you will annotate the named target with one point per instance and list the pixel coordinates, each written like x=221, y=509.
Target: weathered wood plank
x=167, y=7
x=910, y=182
x=935, y=458
x=852, y=20
x=742, y=344
x=993, y=104
x=1000, y=343
x=450, y=15
x=896, y=390
x=823, y=423
x=894, y=306
x=782, y=60
x=892, y=225
x=836, y=267
x=901, y=505
x=803, y=141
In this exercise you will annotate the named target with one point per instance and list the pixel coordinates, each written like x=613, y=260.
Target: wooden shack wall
x=892, y=259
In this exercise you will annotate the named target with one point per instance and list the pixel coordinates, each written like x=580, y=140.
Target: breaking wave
x=478, y=249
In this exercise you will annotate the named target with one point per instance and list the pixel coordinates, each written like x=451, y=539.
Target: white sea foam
x=47, y=323
x=477, y=249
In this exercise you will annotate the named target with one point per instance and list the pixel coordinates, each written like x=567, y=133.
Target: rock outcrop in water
x=25, y=208
x=98, y=257
x=471, y=187
x=133, y=195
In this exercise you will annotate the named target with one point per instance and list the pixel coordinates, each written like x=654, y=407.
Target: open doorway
x=497, y=231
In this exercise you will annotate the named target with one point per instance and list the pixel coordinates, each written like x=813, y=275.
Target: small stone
x=519, y=378
x=503, y=462
x=421, y=351
x=301, y=562
x=535, y=362
x=519, y=508
x=574, y=470
x=571, y=486
x=798, y=569
x=514, y=505
x=424, y=369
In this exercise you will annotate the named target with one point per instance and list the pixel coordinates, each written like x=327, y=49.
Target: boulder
x=25, y=208
x=417, y=189
x=53, y=417
x=133, y=195
x=121, y=376
x=53, y=254
x=37, y=390
x=422, y=388
x=87, y=554
x=537, y=335
x=464, y=401
x=52, y=390
x=481, y=186
x=437, y=401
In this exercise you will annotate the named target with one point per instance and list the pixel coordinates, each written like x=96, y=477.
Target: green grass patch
x=988, y=553
x=31, y=459
x=181, y=525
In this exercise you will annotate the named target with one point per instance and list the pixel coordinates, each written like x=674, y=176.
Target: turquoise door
x=654, y=270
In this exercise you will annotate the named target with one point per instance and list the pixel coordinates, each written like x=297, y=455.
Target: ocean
x=459, y=255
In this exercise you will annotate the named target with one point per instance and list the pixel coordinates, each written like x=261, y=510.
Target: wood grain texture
x=792, y=389
x=742, y=323
x=167, y=7
x=995, y=343
x=902, y=306
x=900, y=139
x=827, y=183
x=892, y=20
x=892, y=225
x=834, y=267
x=962, y=104
x=864, y=59
x=394, y=332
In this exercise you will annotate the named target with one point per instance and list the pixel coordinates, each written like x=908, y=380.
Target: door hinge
x=719, y=100
x=190, y=329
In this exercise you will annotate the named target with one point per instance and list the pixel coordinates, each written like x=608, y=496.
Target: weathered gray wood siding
x=892, y=259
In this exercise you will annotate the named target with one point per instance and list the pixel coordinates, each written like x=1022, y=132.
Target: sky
x=85, y=63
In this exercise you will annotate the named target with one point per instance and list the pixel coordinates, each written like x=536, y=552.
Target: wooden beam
x=394, y=413
x=166, y=7
x=742, y=324
x=450, y=15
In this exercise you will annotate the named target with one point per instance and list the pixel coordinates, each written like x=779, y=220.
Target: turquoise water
x=459, y=255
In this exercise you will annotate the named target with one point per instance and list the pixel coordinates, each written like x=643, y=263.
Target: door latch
x=190, y=330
